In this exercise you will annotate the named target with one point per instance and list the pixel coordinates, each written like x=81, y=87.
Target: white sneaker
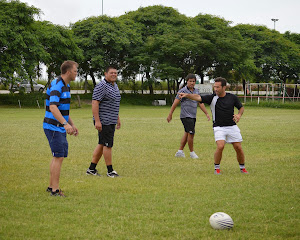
x=193, y=155
x=180, y=154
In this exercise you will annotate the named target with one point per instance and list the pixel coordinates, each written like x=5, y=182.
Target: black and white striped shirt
x=222, y=108
x=109, y=97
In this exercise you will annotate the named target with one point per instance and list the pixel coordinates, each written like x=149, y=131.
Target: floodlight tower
x=102, y=7
x=274, y=20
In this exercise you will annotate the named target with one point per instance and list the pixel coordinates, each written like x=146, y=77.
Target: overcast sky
x=257, y=12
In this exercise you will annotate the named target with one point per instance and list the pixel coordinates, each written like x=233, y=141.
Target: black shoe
x=49, y=189
x=57, y=193
x=112, y=174
x=92, y=172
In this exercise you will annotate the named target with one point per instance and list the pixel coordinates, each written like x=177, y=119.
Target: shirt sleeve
x=206, y=98
x=237, y=102
x=99, y=92
x=55, y=92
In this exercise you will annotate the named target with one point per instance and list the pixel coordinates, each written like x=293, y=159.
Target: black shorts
x=106, y=136
x=189, y=124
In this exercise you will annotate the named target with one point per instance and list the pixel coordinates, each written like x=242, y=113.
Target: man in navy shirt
x=57, y=122
x=105, y=108
x=188, y=115
x=224, y=121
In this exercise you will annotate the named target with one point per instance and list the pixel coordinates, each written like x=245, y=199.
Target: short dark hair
x=190, y=76
x=221, y=80
x=67, y=65
x=110, y=67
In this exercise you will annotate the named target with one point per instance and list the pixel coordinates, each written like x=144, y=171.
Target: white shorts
x=230, y=134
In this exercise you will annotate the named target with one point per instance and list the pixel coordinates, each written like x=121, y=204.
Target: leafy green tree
x=156, y=24
x=104, y=41
x=219, y=49
x=17, y=45
x=275, y=57
x=59, y=45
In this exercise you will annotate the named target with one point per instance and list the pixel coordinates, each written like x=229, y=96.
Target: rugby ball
x=220, y=220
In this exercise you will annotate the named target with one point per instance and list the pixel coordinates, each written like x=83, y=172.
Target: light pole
x=102, y=7
x=274, y=20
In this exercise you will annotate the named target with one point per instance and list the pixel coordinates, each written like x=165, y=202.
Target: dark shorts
x=106, y=136
x=58, y=143
x=189, y=124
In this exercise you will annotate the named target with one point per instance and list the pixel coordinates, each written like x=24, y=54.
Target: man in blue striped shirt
x=57, y=122
x=105, y=108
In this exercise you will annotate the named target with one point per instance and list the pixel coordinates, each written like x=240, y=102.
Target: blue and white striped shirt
x=188, y=106
x=58, y=93
x=109, y=97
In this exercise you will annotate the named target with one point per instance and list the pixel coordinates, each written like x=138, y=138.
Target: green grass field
x=158, y=196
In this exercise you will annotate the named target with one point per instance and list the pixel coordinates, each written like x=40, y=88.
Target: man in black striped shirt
x=105, y=108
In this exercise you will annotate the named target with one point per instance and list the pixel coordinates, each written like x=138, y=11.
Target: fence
x=272, y=91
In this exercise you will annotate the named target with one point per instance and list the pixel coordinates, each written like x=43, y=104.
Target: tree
x=277, y=58
x=59, y=45
x=154, y=56
x=219, y=49
x=104, y=41
x=17, y=45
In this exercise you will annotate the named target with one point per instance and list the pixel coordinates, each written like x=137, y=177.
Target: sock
x=109, y=168
x=217, y=166
x=242, y=166
x=181, y=151
x=93, y=166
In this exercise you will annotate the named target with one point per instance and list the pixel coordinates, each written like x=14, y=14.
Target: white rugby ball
x=220, y=220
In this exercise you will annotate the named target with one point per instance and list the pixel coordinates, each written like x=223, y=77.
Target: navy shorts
x=106, y=136
x=189, y=124
x=58, y=143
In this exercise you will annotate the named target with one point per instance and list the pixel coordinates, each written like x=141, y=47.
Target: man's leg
x=190, y=140
x=183, y=141
x=107, y=154
x=55, y=168
x=218, y=155
x=219, y=151
x=97, y=154
x=239, y=152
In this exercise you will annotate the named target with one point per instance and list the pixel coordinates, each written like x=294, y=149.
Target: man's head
x=190, y=80
x=111, y=74
x=69, y=70
x=220, y=86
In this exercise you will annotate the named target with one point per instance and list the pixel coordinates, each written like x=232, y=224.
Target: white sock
x=181, y=151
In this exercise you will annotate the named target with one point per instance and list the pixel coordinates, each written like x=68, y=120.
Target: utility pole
x=273, y=19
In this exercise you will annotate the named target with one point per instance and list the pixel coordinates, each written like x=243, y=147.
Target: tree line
x=156, y=42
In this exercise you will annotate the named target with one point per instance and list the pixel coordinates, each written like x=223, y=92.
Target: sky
x=256, y=12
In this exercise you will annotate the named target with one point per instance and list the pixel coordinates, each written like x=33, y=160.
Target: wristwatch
x=65, y=123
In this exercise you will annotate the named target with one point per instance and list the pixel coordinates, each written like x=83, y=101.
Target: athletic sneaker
x=243, y=170
x=193, y=155
x=180, y=154
x=49, y=189
x=92, y=172
x=112, y=174
x=217, y=171
x=57, y=193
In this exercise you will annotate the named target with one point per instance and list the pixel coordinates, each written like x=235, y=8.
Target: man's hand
x=76, y=132
x=236, y=117
x=69, y=129
x=118, y=124
x=98, y=126
x=182, y=95
x=208, y=117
